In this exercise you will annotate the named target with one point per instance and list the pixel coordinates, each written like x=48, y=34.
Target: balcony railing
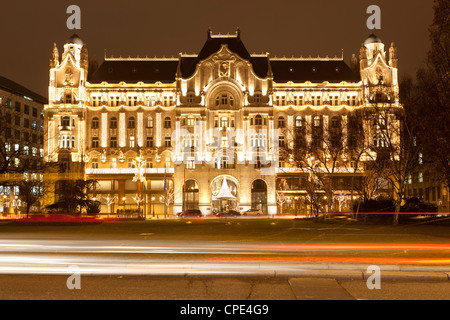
x=127, y=170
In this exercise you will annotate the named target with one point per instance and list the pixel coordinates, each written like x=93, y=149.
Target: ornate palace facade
x=218, y=129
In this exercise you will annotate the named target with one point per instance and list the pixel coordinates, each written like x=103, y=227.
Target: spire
x=178, y=74
x=54, y=56
x=84, y=60
x=269, y=66
x=209, y=33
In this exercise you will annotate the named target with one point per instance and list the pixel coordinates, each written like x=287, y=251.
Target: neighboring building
x=209, y=126
x=425, y=185
x=21, y=143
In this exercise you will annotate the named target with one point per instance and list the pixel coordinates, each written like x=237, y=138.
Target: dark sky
x=165, y=28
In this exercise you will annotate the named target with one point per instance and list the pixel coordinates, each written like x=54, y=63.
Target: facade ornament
x=68, y=78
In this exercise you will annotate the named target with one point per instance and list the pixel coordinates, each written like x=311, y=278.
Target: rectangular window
x=149, y=142
x=95, y=163
x=17, y=120
x=26, y=109
x=113, y=163
x=95, y=142
x=190, y=164
x=18, y=107
x=113, y=142
x=167, y=142
x=8, y=103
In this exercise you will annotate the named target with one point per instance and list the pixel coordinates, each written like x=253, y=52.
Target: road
x=223, y=260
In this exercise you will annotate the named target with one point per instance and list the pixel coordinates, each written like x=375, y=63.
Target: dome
x=74, y=39
x=372, y=39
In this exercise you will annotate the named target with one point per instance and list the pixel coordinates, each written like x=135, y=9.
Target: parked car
x=190, y=213
x=229, y=213
x=253, y=211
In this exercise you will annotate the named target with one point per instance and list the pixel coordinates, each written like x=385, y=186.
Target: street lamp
x=153, y=202
x=16, y=204
x=4, y=204
x=139, y=176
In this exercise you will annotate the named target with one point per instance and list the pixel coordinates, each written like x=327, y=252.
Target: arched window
x=258, y=120
x=259, y=195
x=298, y=122
x=131, y=123
x=167, y=123
x=224, y=99
x=190, y=195
x=113, y=123
x=281, y=123
x=316, y=121
x=95, y=123
x=65, y=121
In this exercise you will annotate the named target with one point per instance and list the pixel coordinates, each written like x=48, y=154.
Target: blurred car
x=190, y=213
x=229, y=213
x=253, y=211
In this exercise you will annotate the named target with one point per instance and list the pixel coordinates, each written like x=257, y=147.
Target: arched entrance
x=259, y=195
x=224, y=194
x=190, y=195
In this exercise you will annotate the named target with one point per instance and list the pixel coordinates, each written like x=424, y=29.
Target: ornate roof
x=164, y=70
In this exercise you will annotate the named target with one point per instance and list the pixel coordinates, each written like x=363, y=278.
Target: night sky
x=165, y=28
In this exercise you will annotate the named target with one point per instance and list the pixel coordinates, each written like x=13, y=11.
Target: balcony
x=127, y=170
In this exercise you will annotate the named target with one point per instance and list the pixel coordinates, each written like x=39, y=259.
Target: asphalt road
x=224, y=259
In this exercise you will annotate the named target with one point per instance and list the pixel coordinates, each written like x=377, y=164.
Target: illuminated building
x=198, y=119
x=21, y=143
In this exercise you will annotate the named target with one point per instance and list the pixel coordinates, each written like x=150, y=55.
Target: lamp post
x=153, y=202
x=139, y=177
x=4, y=204
x=16, y=204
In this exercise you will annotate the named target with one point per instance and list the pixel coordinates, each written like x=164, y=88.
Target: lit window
x=149, y=122
x=317, y=121
x=190, y=121
x=113, y=163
